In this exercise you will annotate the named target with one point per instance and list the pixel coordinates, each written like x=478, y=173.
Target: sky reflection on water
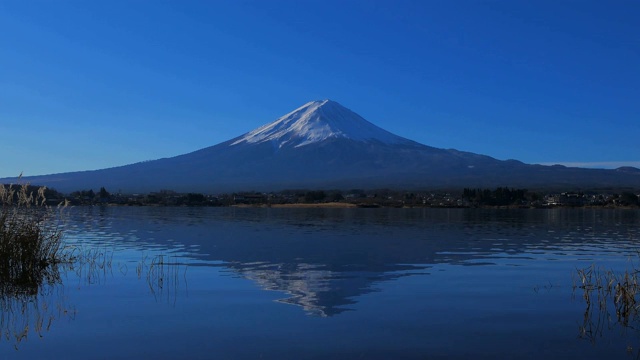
x=369, y=283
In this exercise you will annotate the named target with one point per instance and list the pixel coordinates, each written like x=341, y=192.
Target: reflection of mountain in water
x=318, y=291
x=326, y=258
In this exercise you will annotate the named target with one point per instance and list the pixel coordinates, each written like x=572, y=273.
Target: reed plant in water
x=611, y=297
x=33, y=257
x=30, y=240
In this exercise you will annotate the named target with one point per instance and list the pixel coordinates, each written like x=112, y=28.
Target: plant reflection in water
x=35, y=303
x=611, y=301
x=162, y=274
x=32, y=306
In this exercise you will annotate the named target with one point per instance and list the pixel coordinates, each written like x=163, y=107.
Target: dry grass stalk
x=30, y=251
x=614, y=293
x=30, y=239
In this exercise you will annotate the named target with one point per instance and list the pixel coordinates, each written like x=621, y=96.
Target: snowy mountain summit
x=323, y=145
x=317, y=121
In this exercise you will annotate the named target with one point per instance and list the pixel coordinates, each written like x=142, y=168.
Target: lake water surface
x=259, y=283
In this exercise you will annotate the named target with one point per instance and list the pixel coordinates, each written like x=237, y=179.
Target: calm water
x=226, y=283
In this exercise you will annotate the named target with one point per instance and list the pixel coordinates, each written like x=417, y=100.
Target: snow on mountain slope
x=323, y=145
x=316, y=121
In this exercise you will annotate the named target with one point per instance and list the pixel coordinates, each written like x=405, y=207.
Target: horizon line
x=593, y=164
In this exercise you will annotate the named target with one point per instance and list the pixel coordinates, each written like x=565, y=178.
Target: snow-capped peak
x=316, y=121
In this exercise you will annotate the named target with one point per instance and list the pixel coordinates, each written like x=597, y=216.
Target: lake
x=266, y=283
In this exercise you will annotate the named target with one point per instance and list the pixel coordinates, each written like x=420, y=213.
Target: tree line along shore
x=465, y=198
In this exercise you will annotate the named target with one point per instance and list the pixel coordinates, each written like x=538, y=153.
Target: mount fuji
x=324, y=145
x=315, y=122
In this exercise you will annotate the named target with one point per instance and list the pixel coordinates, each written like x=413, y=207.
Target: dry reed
x=30, y=251
x=611, y=298
x=30, y=239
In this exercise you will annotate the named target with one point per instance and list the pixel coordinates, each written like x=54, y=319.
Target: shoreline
x=333, y=205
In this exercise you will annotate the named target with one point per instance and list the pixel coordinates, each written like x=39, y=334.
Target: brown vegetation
x=30, y=239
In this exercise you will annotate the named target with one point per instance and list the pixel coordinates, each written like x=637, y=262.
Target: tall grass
x=30, y=240
x=33, y=256
x=30, y=253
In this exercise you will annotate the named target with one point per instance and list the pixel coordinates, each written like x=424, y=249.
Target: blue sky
x=94, y=84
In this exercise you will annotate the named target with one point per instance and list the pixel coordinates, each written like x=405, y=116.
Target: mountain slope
x=317, y=121
x=324, y=145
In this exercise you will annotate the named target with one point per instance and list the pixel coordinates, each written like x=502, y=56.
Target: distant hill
x=325, y=145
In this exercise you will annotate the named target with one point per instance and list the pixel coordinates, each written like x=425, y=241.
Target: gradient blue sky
x=94, y=84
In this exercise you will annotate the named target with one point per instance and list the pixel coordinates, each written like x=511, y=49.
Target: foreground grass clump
x=30, y=240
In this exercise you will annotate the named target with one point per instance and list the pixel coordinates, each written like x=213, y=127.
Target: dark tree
x=628, y=199
x=103, y=194
x=314, y=196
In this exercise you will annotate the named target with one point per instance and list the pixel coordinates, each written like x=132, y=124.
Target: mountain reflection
x=324, y=259
x=319, y=291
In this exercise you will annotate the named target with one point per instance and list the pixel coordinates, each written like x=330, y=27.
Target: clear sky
x=93, y=84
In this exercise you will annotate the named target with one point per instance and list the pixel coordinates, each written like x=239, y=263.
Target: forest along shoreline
x=501, y=197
